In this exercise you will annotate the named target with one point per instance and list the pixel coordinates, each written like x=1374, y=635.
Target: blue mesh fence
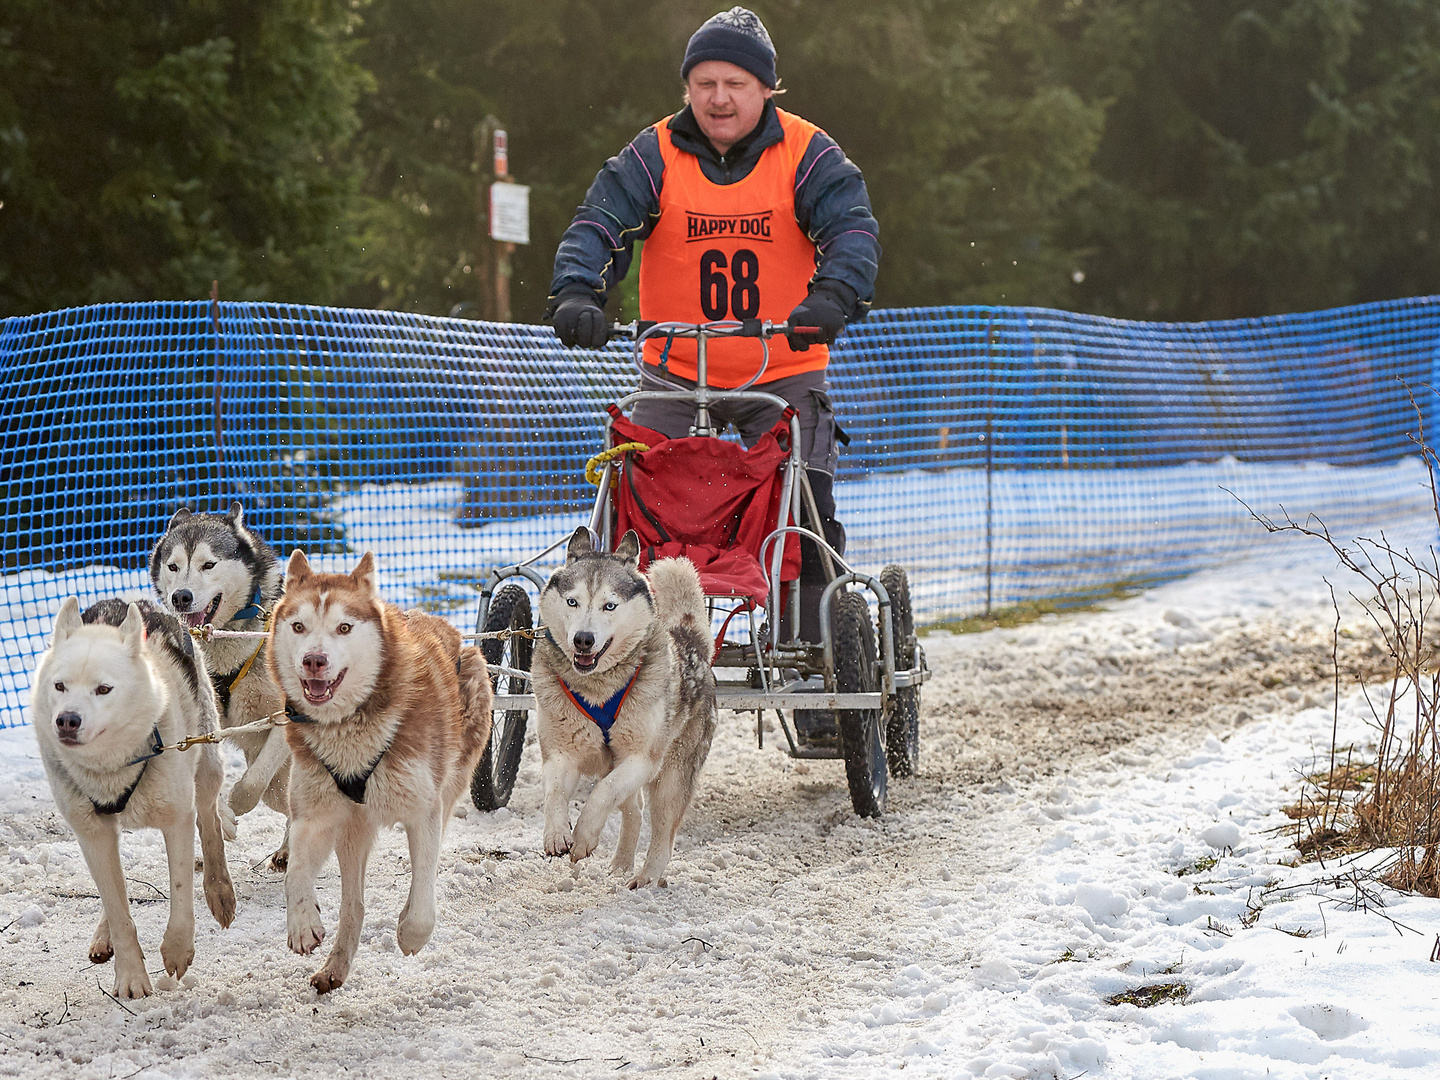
x=1000, y=454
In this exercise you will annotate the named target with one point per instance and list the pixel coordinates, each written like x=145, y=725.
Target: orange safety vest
x=730, y=251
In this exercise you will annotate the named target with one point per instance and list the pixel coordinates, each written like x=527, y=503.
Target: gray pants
x=808, y=393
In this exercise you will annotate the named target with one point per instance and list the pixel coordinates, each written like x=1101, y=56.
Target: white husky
x=117, y=686
x=624, y=692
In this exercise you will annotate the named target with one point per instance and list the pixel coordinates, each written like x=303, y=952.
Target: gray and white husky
x=209, y=568
x=625, y=693
x=117, y=686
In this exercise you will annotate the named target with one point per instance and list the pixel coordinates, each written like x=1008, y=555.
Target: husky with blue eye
x=625, y=693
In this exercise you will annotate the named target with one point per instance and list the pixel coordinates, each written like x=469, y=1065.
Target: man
x=748, y=212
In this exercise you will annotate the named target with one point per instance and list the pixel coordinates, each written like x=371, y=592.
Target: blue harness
x=604, y=714
x=251, y=612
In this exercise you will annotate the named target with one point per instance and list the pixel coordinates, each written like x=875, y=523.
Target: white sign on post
x=510, y=213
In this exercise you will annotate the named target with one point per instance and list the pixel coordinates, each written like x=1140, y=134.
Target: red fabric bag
x=708, y=499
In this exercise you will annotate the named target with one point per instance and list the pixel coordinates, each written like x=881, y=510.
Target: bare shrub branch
x=1393, y=802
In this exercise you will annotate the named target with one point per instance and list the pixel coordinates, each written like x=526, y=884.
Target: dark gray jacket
x=832, y=207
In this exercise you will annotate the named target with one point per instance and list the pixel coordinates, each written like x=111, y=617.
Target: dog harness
x=224, y=684
x=118, y=805
x=352, y=787
x=603, y=715
x=254, y=611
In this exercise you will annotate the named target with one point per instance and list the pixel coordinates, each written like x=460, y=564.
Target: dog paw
x=177, y=949
x=580, y=851
x=619, y=866
x=557, y=842
x=305, y=929
x=100, y=948
x=131, y=980
x=220, y=896
x=412, y=932
x=280, y=860
x=243, y=798
x=328, y=978
x=585, y=841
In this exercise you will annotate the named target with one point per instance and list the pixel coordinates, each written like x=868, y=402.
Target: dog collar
x=352, y=786
x=253, y=611
x=157, y=747
x=116, y=806
x=605, y=714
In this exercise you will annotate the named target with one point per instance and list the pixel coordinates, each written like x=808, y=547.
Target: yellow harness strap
x=245, y=668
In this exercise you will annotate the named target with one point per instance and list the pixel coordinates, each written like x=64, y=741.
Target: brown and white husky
x=388, y=717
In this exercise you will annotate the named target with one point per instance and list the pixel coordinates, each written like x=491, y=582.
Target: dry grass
x=1199, y=866
x=1028, y=611
x=1392, y=799
x=1146, y=997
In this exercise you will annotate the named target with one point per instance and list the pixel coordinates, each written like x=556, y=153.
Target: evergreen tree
x=570, y=81
x=1259, y=156
x=1146, y=158
x=968, y=142
x=150, y=146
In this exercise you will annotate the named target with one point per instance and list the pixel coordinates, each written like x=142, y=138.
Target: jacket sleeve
x=620, y=208
x=832, y=206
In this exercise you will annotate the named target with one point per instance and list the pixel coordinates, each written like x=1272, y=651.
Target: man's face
x=727, y=101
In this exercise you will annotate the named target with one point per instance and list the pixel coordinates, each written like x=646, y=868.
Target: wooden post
x=217, y=406
x=485, y=253
x=503, y=251
x=495, y=282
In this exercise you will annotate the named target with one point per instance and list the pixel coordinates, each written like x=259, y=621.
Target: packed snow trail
x=1047, y=857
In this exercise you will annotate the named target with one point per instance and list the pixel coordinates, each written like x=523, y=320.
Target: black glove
x=579, y=320
x=825, y=309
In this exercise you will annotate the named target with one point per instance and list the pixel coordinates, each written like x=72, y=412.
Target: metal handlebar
x=757, y=328
x=762, y=329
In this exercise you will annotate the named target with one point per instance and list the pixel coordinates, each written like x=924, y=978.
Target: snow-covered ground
x=1098, y=812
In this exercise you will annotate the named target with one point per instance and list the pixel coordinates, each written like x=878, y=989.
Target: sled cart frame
x=864, y=688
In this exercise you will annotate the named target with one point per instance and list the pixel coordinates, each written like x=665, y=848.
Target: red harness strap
x=605, y=714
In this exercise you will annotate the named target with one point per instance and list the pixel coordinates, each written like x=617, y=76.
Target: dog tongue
x=316, y=688
x=195, y=618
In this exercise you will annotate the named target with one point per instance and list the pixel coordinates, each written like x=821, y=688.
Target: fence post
x=218, y=406
x=989, y=460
